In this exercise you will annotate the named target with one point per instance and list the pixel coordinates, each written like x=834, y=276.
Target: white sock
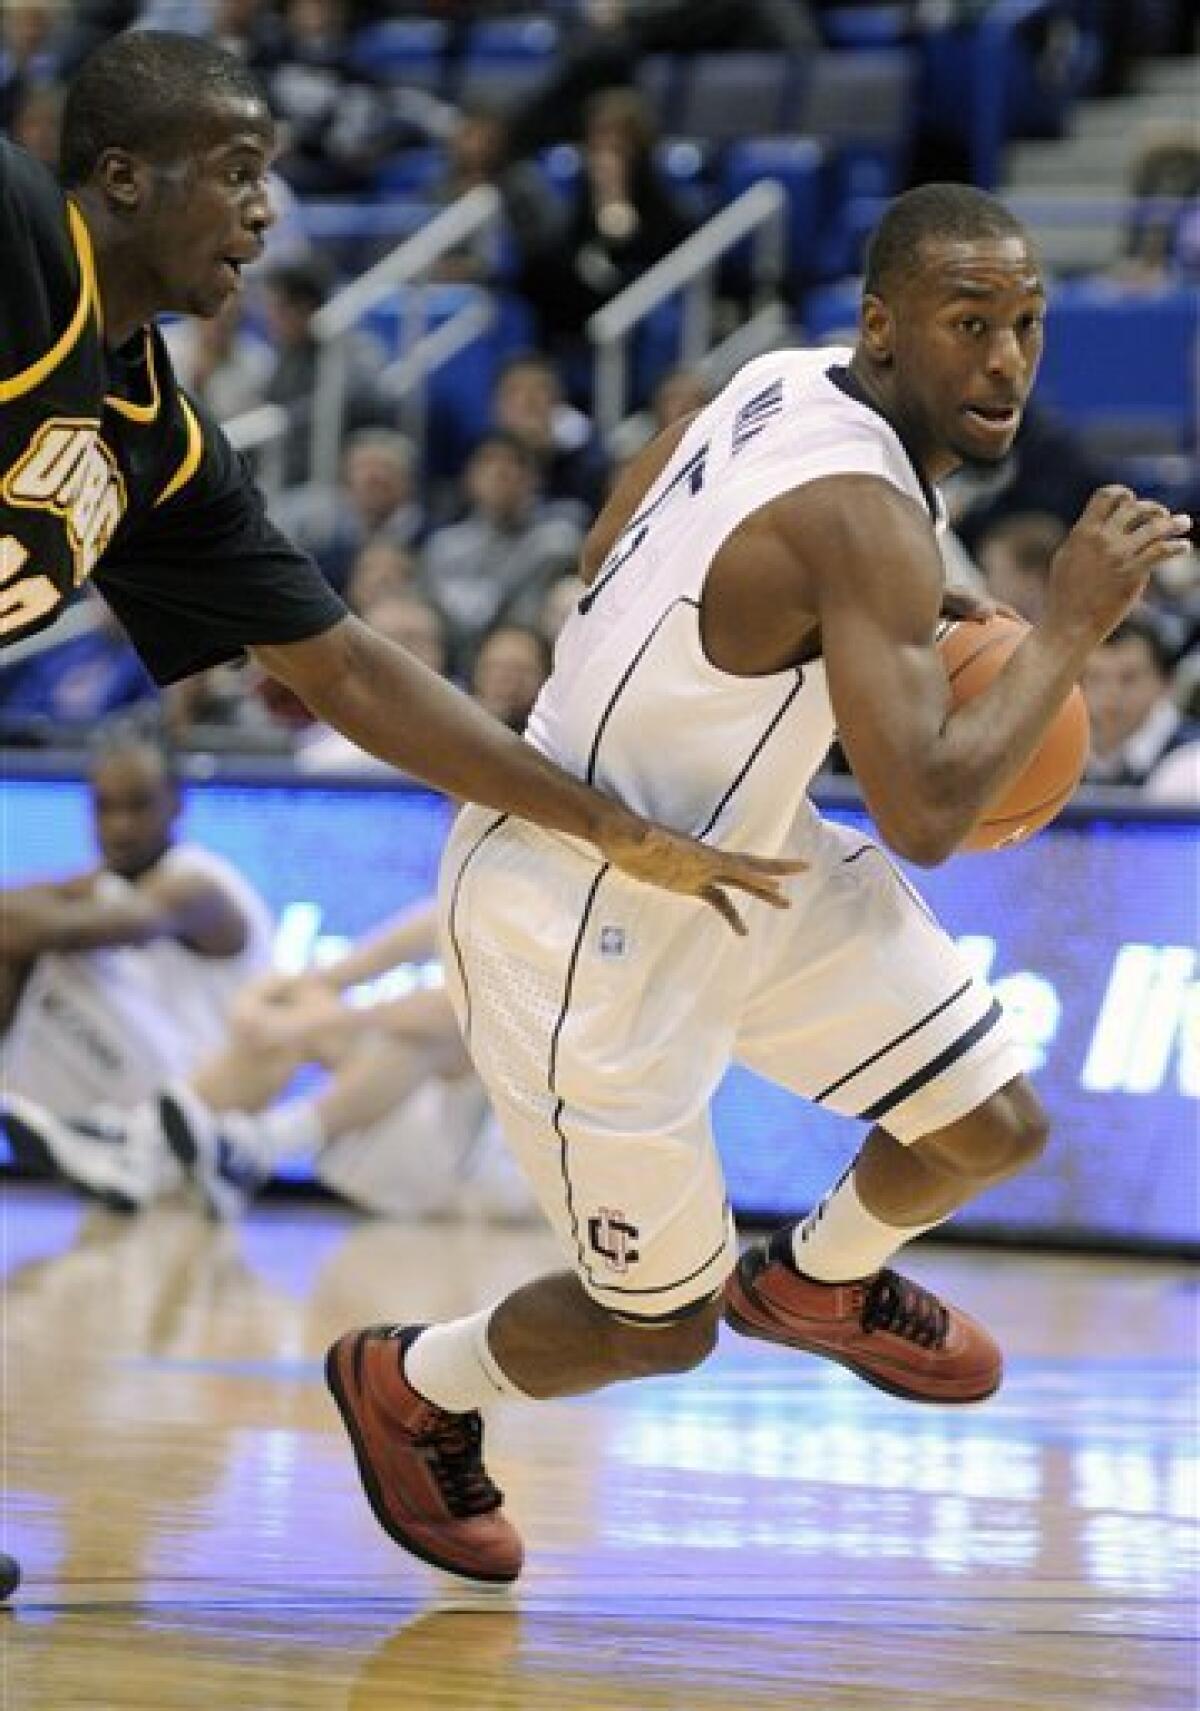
x=453, y=1366
x=840, y=1240
x=291, y=1131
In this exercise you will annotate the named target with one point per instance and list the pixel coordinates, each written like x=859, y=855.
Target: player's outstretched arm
x=394, y=707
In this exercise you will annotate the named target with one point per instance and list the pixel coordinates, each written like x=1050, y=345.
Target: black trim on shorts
x=552, y=1068
x=958, y=1048
x=450, y=921
x=656, y=1320
x=892, y=1044
x=666, y=1288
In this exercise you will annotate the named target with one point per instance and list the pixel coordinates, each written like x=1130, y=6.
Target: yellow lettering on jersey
x=28, y=600
x=68, y=469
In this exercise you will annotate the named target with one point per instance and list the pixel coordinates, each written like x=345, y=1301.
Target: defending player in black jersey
x=108, y=471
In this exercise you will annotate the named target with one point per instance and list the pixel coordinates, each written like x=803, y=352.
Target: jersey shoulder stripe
x=190, y=462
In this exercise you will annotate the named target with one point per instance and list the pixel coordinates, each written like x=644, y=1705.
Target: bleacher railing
x=690, y=272
x=475, y=215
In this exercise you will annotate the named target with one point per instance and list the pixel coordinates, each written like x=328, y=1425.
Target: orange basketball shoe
x=421, y=1467
x=888, y=1330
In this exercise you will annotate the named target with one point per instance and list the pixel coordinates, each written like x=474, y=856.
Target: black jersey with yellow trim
x=108, y=470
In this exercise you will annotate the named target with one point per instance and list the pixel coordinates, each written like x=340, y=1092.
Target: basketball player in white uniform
x=122, y=978
x=765, y=572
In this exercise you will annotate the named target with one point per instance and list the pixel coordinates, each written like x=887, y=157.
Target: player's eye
x=973, y=325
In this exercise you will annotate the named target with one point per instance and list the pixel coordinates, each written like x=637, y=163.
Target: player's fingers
x=1106, y=500
x=716, y=898
x=1161, y=537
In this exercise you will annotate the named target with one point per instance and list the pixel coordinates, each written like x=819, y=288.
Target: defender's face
x=209, y=213
x=965, y=342
x=134, y=808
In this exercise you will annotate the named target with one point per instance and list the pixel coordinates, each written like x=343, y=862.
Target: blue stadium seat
x=865, y=26
x=860, y=107
x=982, y=85
x=506, y=59
x=458, y=398
x=404, y=50
x=796, y=163
x=410, y=172
x=829, y=313
x=1121, y=365
x=726, y=96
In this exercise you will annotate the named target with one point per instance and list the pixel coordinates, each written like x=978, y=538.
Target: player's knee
x=649, y=1347
x=1002, y=1137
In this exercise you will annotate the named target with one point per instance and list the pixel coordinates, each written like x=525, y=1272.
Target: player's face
x=209, y=213
x=134, y=808
x=965, y=342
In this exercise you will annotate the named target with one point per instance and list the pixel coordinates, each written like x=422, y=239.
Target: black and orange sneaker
x=888, y=1330
x=421, y=1467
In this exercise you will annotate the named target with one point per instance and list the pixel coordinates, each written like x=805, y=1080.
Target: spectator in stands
x=293, y=293
x=29, y=52
x=511, y=663
x=252, y=29
x=337, y=118
x=613, y=36
x=82, y=1027
x=500, y=559
x=381, y=567
x=622, y=218
x=477, y=153
x=1163, y=238
x=219, y=362
x=405, y=617
x=677, y=394
x=529, y=402
x=65, y=686
x=559, y=601
x=377, y=500
x=1135, y=721
x=1014, y=554
x=37, y=120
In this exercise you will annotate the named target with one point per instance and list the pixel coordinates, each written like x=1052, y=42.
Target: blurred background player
x=122, y=976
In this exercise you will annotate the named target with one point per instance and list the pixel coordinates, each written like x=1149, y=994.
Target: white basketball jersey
x=633, y=704
x=109, y=1026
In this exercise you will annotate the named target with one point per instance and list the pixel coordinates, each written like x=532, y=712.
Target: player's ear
x=877, y=328
x=124, y=179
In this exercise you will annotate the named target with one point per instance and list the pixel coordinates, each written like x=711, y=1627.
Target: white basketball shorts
x=601, y=1015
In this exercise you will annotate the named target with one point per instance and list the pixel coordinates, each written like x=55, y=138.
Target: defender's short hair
x=146, y=91
x=954, y=212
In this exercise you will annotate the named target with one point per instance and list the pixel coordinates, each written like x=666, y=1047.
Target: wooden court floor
x=767, y=1532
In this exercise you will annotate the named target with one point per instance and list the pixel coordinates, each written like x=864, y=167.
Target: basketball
x=974, y=654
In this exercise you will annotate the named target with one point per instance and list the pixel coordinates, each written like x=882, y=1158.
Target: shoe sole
x=32, y=1153
x=869, y=1375
x=374, y=1494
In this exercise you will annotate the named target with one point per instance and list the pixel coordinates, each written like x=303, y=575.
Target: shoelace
x=457, y=1463
x=894, y=1304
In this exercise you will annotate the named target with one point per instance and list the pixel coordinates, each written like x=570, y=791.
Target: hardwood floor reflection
x=766, y=1532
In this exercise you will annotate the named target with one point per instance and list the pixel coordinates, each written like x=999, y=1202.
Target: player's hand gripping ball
x=974, y=654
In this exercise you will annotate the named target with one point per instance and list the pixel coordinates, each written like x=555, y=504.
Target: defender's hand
x=674, y=863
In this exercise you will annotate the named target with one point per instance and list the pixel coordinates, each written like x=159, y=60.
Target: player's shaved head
x=941, y=213
x=148, y=91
